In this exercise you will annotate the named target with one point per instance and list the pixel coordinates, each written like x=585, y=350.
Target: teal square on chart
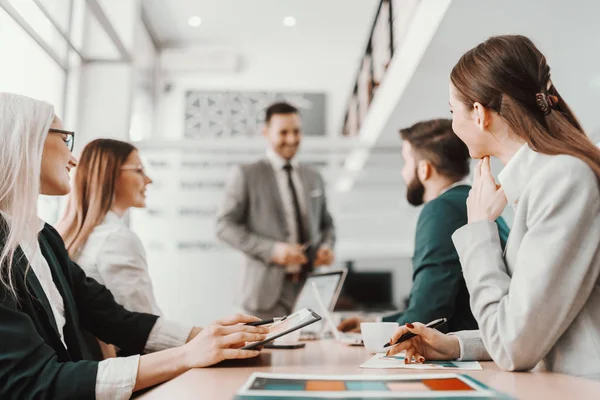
x=366, y=386
x=445, y=364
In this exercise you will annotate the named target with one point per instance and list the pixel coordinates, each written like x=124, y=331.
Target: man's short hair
x=436, y=142
x=279, y=108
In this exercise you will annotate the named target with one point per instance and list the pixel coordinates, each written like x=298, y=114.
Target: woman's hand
x=222, y=341
x=429, y=344
x=351, y=324
x=486, y=199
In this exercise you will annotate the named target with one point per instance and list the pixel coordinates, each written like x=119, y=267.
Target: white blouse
x=114, y=256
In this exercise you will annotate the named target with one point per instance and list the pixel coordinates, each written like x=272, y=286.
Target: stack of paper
x=385, y=362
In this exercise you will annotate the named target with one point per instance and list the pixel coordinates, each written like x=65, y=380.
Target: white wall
x=184, y=255
x=266, y=69
x=143, y=108
x=201, y=275
x=106, y=88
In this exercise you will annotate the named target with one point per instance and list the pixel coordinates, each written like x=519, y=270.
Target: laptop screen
x=366, y=291
x=328, y=284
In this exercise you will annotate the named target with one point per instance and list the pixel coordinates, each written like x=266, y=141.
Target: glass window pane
x=26, y=68
x=41, y=25
x=59, y=10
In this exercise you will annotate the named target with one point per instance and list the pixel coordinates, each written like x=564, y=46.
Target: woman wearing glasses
x=46, y=301
x=109, y=180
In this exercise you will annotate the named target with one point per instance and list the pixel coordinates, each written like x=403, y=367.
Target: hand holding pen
x=408, y=335
x=426, y=344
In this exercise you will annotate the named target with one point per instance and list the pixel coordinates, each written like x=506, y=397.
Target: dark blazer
x=439, y=288
x=34, y=363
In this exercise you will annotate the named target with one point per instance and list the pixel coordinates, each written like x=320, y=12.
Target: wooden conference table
x=330, y=357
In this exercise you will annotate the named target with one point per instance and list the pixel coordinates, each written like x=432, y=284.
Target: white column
x=106, y=87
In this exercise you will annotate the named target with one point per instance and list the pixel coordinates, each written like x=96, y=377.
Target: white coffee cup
x=376, y=334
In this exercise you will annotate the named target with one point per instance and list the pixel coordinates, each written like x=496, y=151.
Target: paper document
x=381, y=361
x=300, y=317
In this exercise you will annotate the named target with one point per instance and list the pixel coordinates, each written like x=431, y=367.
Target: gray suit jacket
x=540, y=300
x=251, y=219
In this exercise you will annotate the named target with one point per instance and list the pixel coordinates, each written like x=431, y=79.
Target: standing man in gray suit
x=275, y=212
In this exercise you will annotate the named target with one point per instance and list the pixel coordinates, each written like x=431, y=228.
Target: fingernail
x=391, y=340
x=421, y=359
x=409, y=325
x=405, y=360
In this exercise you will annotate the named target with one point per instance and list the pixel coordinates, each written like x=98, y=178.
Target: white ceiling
x=331, y=23
x=568, y=34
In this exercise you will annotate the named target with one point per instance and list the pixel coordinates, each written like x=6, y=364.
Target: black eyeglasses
x=69, y=137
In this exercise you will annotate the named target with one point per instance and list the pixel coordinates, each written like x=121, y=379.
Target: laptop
x=348, y=338
x=329, y=285
x=367, y=291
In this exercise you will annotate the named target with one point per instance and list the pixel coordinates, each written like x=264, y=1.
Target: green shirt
x=438, y=288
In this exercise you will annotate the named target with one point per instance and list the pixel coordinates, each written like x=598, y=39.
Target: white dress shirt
x=40, y=268
x=464, y=182
x=116, y=376
x=277, y=162
x=114, y=256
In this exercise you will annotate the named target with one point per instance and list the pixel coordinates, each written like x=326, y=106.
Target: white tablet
x=290, y=323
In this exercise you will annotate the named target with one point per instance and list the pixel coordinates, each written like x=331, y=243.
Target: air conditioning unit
x=224, y=59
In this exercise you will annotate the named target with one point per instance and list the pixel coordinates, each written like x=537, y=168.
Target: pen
x=266, y=321
x=433, y=325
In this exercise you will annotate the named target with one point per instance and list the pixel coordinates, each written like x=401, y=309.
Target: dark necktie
x=306, y=268
x=299, y=225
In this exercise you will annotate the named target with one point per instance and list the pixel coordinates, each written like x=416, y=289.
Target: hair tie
x=546, y=102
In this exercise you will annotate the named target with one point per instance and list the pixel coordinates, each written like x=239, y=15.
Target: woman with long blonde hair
x=46, y=301
x=109, y=179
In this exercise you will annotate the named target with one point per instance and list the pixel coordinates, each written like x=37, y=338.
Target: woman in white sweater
x=540, y=300
x=109, y=180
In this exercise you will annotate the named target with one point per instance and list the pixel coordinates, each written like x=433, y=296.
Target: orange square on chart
x=325, y=386
x=447, y=384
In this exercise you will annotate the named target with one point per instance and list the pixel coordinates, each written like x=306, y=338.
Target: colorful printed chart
x=269, y=386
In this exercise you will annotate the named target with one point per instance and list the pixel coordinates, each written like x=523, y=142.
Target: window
x=26, y=68
x=142, y=112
